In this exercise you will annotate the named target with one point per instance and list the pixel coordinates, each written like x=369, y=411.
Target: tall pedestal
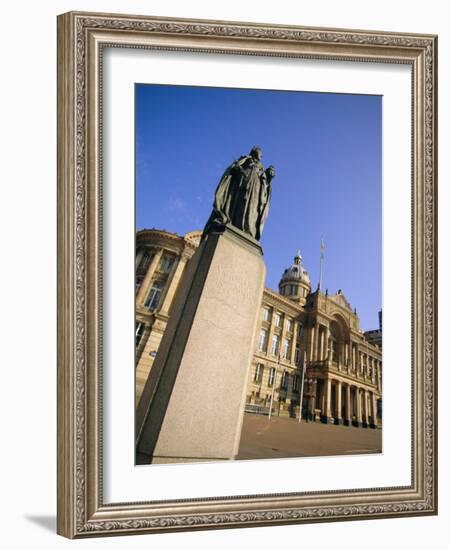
x=193, y=402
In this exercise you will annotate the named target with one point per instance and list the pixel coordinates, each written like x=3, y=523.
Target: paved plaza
x=286, y=437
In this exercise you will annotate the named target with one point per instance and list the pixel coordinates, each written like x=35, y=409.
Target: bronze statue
x=242, y=197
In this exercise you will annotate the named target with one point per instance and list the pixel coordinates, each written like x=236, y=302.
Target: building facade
x=311, y=358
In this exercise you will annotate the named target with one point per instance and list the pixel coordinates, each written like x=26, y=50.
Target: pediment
x=341, y=300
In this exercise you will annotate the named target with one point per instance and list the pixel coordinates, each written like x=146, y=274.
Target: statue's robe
x=226, y=194
x=246, y=214
x=253, y=203
x=242, y=198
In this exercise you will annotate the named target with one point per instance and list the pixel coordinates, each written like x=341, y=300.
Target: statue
x=243, y=195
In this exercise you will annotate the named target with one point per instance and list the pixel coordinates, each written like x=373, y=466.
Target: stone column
x=323, y=397
x=338, y=419
x=282, y=337
x=311, y=343
x=270, y=334
x=374, y=410
x=316, y=351
x=348, y=418
x=358, y=407
x=145, y=286
x=326, y=343
x=366, y=421
x=293, y=341
x=313, y=399
x=172, y=284
x=322, y=357
x=185, y=414
x=328, y=395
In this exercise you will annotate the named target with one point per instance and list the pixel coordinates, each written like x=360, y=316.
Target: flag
x=322, y=248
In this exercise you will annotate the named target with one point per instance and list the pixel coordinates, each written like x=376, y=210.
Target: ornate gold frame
x=81, y=511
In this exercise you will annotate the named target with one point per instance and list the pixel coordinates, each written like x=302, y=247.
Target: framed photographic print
x=247, y=274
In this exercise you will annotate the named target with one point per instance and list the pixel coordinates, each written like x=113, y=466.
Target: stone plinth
x=193, y=402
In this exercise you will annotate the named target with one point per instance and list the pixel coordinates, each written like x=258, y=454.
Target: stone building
x=160, y=261
x=299, y=331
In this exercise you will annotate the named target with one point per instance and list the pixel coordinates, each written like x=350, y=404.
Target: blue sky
x=327, y=151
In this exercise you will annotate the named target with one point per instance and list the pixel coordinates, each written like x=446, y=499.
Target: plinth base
x=193, y=402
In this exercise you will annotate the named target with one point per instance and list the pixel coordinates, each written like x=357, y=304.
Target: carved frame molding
x=81, y=37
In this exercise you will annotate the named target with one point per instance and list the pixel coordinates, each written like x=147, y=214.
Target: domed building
x=310, y=355
x=295, y=281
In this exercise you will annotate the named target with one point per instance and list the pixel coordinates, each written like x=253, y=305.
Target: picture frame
x=82, y=509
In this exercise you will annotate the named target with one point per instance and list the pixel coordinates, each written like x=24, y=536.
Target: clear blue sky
x=327, y=151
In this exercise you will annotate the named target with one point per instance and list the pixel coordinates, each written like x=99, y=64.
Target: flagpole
x=302, y=386
x=321, y=263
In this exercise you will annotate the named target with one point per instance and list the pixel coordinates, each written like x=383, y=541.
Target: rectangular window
x=277, y=319
x=143, y=262
x=144, y=259
x=262, y=340
x=296, y=383
x=284, y=381
x=166, y=263
x=275, y=345
x=271, y=376
x=139, y=332
x=154, y=296
x=258, y=373
x=287, y=349
x=297, y=356
x=138, y=283
x=266, y=314
x=289, y=325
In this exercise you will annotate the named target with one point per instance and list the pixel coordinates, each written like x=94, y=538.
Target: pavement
x=286, y=437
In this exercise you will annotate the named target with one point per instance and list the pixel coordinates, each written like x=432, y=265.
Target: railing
x=257, y=409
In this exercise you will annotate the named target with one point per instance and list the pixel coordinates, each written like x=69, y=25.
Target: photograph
x=247, y=283
x=258, y=278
